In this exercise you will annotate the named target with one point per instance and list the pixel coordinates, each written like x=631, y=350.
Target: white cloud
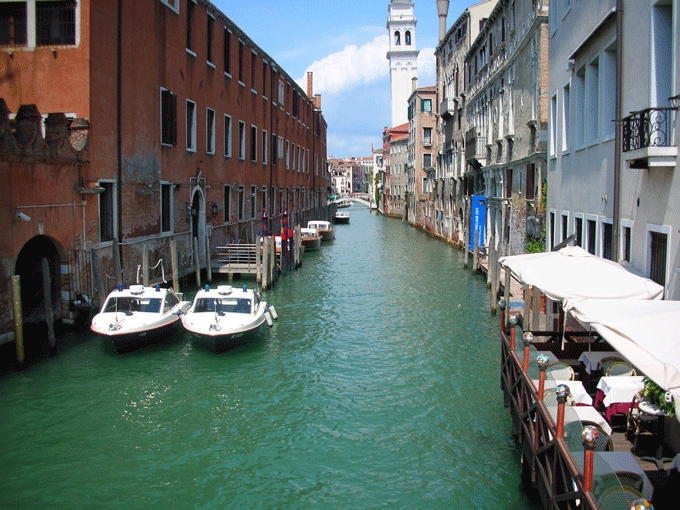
x=353, y=65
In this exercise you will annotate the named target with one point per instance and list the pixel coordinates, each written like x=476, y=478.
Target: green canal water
x=378, y=387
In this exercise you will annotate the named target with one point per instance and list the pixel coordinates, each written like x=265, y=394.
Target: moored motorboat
x=310, y=239
x=227, y=316
x=138, y=316
x=324, y=228
x=342, y=217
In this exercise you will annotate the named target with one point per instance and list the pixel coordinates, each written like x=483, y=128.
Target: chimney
x=317, y=101
x=442, y=10
x=309, y=84
x=414, y=83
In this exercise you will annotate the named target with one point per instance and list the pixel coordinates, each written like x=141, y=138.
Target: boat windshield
x=132, y=304
x=227, y=305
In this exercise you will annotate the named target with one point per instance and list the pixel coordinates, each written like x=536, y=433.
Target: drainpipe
x=616, y=204
x=119, y=130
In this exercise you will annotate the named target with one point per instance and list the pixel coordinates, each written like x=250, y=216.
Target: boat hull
x=167, y=332
x=342, y=220
x=219, y=341
x=311, y=244
x=327, y=235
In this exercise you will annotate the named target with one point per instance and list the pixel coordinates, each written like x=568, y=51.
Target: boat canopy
x=644, y=332
x=574, y=273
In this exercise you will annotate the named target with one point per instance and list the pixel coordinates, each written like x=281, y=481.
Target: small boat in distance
x=325, y=229
x=226, y=317
x=344, y=202
x=138, y=316
x=310, y=239
x=342, y=217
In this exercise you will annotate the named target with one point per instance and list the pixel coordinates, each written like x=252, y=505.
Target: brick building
x=175, y=125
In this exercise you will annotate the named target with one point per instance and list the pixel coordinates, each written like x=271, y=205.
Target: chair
x=638, y=420
x=560, y=371
x=616, y=498
x=628, y=479
x=620, y=368
x=606, y=363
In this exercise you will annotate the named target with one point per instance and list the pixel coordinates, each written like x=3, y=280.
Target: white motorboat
x=310, y=239
x=225, y=317
x=138, y=316
x=324, y=228
x=342, y=217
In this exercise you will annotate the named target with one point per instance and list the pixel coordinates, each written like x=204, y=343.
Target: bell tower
x=403, y=57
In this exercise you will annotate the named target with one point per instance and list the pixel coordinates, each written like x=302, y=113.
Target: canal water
x=378, y=387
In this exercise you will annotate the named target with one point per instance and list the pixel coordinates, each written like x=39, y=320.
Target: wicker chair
x=560, y=371
x=628, y=479
x=616, y=498
x=637, y=421
x=607, y=362
x=620, y=368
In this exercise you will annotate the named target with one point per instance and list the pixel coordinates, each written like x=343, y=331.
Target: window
x=607, y=252
x=209, y=37
x=166, y=207
x=427, y=136
x=657, y=252
x=591, y=235
x=287, y=154
x=253, y=201
x=55, y=23
x=173, y=4
x=241, y=203
x=13, y=24
x=240, y=61
x=280, y=146
x=608, y=94
x=593, y=96
x=227, y=136
x=227, y=204
x=210, y=131
x=264, y=79
x=274, y=149
x=626, y=232
x=265, y=148
x=191, y=6
x=427, y=161
x=296, y=98
x=168, y=118
x=397, y=38
x=253, y=143
x=227, y=51
x=191, y=124
x=253, y=57
x=531, y=188
x=407, y=38
x=565, y=118
x=426, y=105
x=553, y=125
x=282, y=92
x=578, y=230
x=241, y=140
x=579, y=107
x=106, y=210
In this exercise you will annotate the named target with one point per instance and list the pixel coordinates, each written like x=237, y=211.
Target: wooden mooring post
x=18, y=318
x=175, y=269
x=197, y=263
x=115, y=248
x=145, y=266
x=208, y=262
x=47, y=299
x=475, y=254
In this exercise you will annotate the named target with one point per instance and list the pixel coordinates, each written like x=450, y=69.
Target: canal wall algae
x=377, y=388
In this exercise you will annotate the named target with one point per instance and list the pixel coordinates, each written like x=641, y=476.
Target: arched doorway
x=29, y=267
x=198, y=223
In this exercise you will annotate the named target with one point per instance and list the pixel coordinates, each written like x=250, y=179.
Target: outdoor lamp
x=675, y=102
x=562, y=391
x=502, y=304
x=513, y=320
x=641, y=504
x=543, y=361
x=214, y=209
x=590, y=435
x=528, y=337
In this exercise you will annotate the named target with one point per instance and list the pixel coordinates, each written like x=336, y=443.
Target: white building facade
x=616, y=191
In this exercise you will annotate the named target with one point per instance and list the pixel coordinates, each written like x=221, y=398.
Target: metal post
x=197, y=260
x=116, y=262
x=208, y=263
x=145, y=266
x=175, y=269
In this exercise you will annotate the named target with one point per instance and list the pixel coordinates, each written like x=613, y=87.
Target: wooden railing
x=548, y=466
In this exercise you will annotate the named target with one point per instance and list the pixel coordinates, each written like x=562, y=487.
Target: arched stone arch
x=397, y=38
x=197, y=215
x=29, y=267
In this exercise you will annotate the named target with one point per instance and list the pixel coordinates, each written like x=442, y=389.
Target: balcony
x=646, y=139
x=447, y=108
x=475, y=150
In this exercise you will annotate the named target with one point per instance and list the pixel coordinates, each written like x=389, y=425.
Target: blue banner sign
x=477, y=221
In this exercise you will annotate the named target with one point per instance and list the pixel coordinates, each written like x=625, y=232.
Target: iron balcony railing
x=647, y=128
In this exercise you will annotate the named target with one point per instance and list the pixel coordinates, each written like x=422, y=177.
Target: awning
x=572, y=272
x=644, y=332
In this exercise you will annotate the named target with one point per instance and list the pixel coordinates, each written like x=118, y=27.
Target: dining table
x=592, y=360
x=578, y=393
x=616, y=393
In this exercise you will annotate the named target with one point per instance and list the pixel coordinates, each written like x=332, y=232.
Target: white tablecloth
x=578, y=392
x=593, y=360
x=620, y=389
x=590, y=414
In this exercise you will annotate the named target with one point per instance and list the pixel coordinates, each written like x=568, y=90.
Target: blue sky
x=344, y=43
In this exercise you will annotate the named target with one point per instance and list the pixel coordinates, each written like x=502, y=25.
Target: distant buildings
x=125, y=126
